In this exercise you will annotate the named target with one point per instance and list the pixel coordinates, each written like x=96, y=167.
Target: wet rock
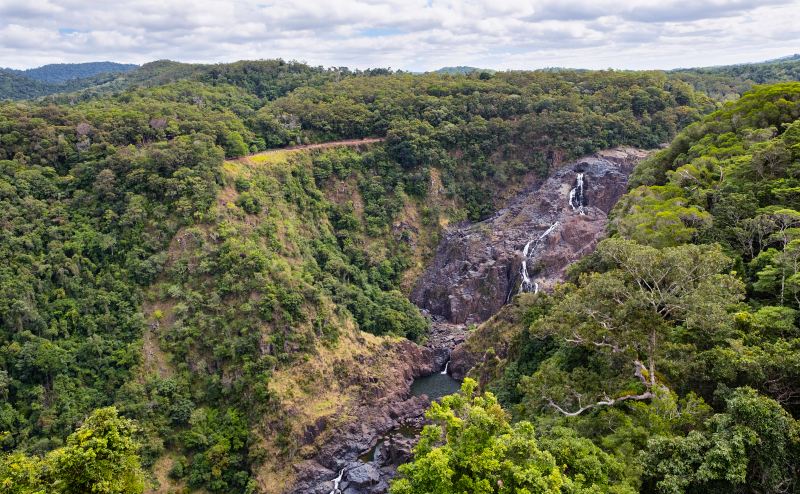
x=398, y=449
x=476, y=269
x=364, y=475
x=442, y=338
x=309, y=475
x=461, y=361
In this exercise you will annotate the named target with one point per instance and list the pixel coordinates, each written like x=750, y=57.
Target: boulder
x=364, y=475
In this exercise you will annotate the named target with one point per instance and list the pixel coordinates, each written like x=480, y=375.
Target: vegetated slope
x=483, y=134
x=265, y=314
x=57, y=78
x=728, y=82
x=62, y=72
x=16, y=86
x=675, y=347
x=205, y=299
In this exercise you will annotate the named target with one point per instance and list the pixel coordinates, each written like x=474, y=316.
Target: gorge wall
x=527, y=245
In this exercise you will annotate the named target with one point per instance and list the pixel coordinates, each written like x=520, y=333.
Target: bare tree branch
x=604, y=402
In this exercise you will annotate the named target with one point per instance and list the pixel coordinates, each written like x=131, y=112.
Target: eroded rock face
x=478, y=267
x=461, y=361
x=389, y=406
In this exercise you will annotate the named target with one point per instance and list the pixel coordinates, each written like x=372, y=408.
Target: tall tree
x=626, y=312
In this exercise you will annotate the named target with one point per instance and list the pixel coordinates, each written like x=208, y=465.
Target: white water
x=446, y=365
x=336, y=482
x=577, y=200
x=527, y=284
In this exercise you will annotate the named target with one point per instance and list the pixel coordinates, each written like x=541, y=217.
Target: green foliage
x=100, y=457
x=754, y=443
x=472, y=448
x=218, y=442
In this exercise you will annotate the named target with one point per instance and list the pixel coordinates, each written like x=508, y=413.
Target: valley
x=600, y=180
x=269, y=277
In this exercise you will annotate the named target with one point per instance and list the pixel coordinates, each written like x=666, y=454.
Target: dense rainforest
x=175, y=316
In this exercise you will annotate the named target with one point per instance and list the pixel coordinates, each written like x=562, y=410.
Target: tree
x=754, y=443
x=21, y=474
x=234, y=145
x=100, y=457
x=659, y=216
x=626, y=312
x=472, y=448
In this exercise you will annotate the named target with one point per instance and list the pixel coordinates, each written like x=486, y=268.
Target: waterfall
x=577, y=200
x=446, y=365
x=336, y=483
x=527, y=284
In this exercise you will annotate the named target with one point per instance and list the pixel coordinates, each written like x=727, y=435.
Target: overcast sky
x=402, y=34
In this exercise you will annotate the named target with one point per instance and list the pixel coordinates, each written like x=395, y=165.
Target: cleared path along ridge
x=321, y=145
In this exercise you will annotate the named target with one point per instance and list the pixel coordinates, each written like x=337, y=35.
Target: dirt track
x=321, y=145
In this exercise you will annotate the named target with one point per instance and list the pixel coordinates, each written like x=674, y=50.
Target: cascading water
x=577, y=199
x=446, y=365
x=336, y=482
x=527, y=253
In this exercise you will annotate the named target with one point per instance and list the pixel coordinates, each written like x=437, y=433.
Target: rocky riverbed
x=364, y=454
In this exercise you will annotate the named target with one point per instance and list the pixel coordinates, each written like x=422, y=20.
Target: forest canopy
x=157, y=282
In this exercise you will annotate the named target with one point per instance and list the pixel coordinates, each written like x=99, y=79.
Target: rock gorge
x=477, y=268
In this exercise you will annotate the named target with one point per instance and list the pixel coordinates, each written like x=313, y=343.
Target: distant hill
x=269, y=79
x=726, y=82
x=58, y=78
x=787, y=58
x=63, y=72
x=462, y=70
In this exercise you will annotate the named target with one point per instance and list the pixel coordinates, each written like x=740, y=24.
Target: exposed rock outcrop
x=461, y=361
x=478, y=267
x=390, y=406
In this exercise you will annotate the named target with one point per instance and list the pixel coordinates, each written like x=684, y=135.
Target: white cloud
x=407, y=34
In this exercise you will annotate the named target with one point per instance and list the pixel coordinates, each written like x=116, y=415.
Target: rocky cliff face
x=527, y=245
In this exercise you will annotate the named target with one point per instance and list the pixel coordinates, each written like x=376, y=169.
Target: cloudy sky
x=403, y=34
